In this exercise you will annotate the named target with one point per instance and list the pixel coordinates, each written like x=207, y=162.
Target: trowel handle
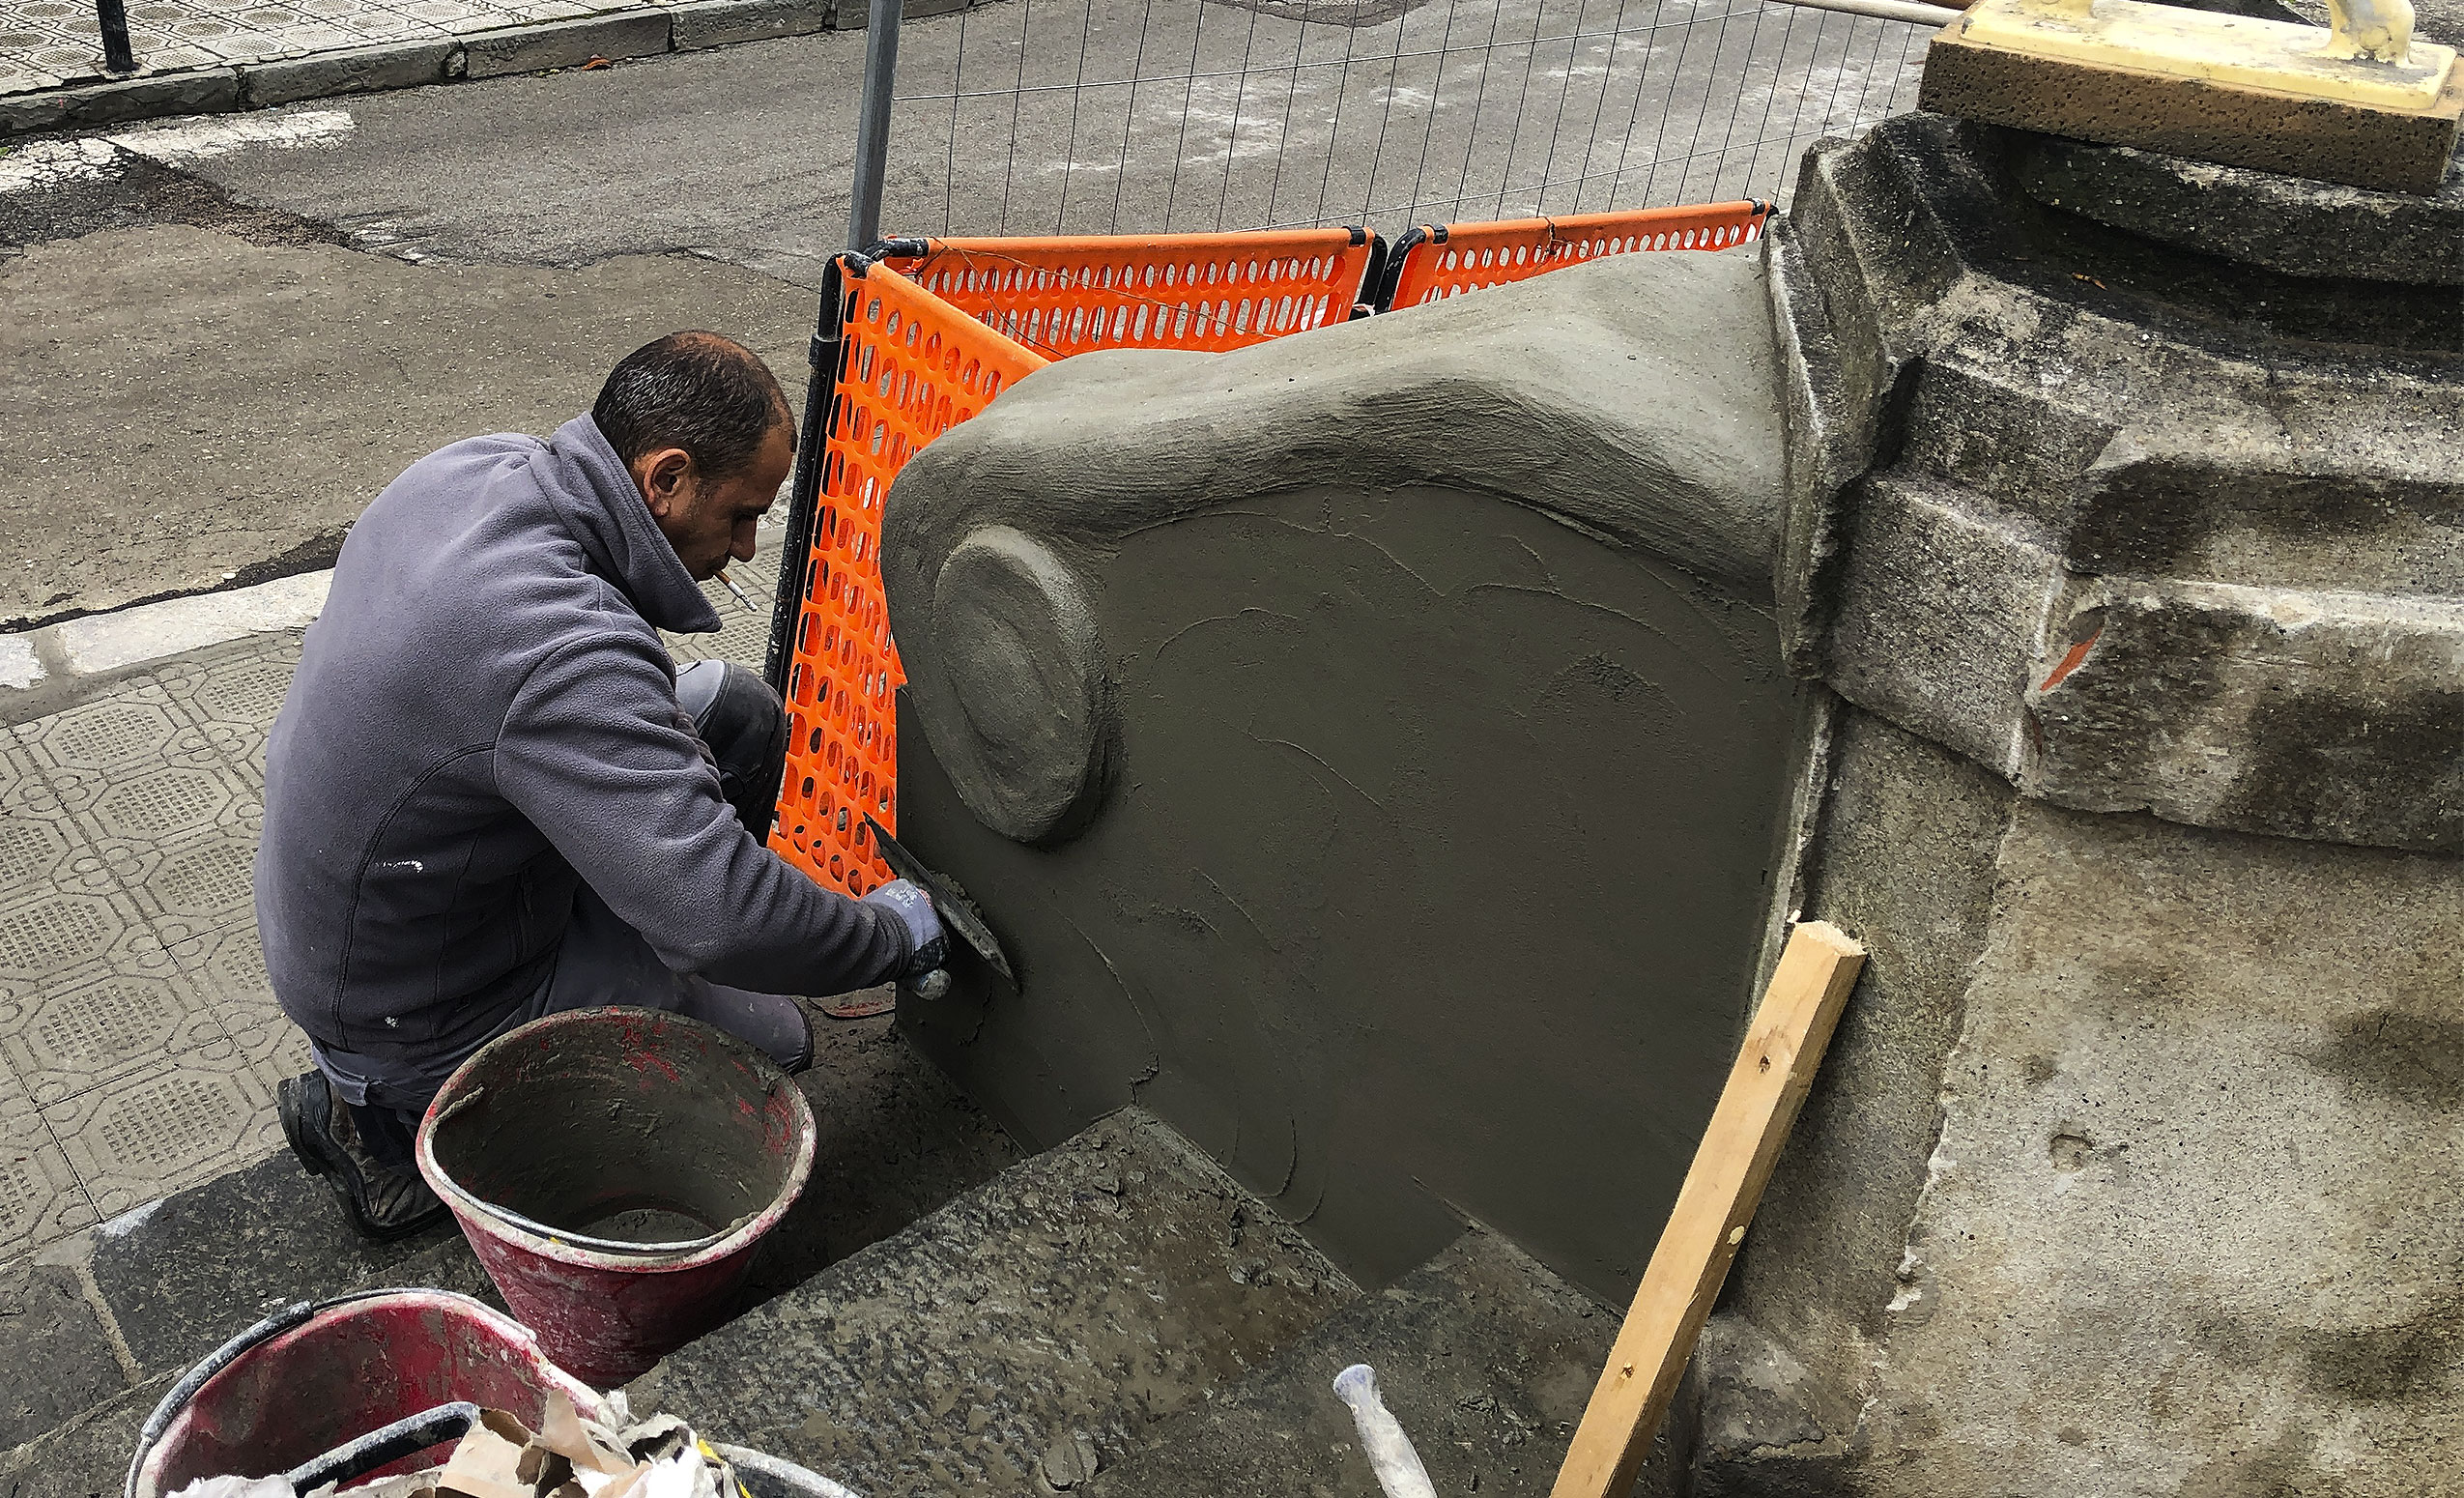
x=934, y=984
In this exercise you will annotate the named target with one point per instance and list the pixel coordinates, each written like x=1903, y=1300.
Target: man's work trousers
x=605, y=961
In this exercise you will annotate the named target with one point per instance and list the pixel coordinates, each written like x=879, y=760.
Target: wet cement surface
x=1431, y=879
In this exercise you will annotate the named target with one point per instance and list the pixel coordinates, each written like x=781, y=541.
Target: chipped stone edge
x=693, y=25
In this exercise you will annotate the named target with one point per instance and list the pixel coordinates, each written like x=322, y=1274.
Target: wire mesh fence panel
x=1174, y=116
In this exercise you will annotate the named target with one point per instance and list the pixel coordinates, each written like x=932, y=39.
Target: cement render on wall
x=1429, y=885
x=1386, y=766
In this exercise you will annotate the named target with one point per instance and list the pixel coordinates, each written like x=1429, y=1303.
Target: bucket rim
x=299, y=1313
x=477, y=1216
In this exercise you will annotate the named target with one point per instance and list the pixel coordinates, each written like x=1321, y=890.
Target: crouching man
x=491, y=796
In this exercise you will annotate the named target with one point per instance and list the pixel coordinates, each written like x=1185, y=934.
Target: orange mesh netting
x=1433, y=264
x=1210, y=292
x=911, y=367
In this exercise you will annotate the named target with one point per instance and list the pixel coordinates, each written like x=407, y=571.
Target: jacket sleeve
x=596, y=753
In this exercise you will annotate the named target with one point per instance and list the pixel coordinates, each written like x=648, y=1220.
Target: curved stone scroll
x=1634, y=399
x=1019, y=715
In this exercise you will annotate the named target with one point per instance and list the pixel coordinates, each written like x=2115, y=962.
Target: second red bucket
x=615, y=1170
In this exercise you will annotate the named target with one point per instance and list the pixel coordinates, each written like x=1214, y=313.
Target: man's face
x=710, y=521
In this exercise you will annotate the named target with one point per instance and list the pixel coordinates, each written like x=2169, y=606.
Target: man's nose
x=742, y=550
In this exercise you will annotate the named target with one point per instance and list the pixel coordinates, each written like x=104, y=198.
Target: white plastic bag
x=1390, y=1450
x=237, y=1487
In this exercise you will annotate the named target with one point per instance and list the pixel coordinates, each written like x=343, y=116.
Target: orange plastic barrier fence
x=1180, y=291
x=911, y=367
x=1434, y=263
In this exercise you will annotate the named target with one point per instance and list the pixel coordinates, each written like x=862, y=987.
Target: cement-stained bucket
x=615, y=1170
x=312, y=1377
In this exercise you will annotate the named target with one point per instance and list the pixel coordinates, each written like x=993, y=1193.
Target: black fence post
x=803, y=491
x=118, y=56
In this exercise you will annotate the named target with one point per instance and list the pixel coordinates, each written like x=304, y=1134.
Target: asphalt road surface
x=225, y=334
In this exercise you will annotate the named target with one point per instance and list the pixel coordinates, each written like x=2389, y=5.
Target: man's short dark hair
x=710, y=395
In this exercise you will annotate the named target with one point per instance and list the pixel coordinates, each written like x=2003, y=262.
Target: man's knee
x=744, y=723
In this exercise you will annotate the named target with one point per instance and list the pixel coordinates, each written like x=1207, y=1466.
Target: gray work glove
x=928, y=947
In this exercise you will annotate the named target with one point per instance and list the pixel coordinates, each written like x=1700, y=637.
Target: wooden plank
x=1773, y=1072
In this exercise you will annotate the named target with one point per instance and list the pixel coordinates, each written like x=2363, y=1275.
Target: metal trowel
x=950, y=902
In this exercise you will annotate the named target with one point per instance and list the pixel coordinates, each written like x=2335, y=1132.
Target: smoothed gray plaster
x=1634, y=399
x=1453, y=754
x=1026, y=722
x=1431, y=882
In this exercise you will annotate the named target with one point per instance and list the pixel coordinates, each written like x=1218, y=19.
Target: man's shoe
x=384, y=1203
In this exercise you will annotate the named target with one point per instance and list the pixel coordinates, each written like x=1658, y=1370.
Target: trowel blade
x=949, y=901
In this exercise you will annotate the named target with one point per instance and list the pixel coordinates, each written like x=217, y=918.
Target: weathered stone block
x=23, y=114
x=566, y=44
x=2301, y=228
x=2175, y=1224
x=720, y=22
x=2045, y=402
x=208, y=91
x=361, y=69
x=1943, y=618
x=2300, y=714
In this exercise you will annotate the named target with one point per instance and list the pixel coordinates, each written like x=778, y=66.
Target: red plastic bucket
x=315, y=1376
x=555, y=1140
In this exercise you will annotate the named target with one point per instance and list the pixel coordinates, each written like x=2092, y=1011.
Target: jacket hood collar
x=589, y=485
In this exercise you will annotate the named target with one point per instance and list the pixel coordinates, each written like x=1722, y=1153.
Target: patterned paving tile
x=48, y=930
x=270, y=1053
x=37, y=830
x=744, y=635
x=40, y=1201
x=176, y=839
x=227, y=967
x=167, y=1127
x=201, y=885
x=232, y=694
x=134, y=724
x=80, y=1028
x=15, y=80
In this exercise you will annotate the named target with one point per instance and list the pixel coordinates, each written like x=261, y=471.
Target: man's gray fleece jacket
x=484, y=717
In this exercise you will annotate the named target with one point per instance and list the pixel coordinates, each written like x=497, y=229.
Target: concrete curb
x=52, y=659
x=644, y=31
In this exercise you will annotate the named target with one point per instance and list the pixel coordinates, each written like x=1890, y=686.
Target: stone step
x=145, y=1296
x=1097, y=1289
x=89, y=1452
x=1486, y=1358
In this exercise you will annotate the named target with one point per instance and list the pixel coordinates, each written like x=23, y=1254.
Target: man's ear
x=663, y=475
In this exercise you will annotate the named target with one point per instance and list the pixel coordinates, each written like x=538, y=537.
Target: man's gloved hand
x=914, y=909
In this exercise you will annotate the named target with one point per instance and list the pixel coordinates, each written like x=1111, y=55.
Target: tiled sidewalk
x=139, y=1044
x=45, y=43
